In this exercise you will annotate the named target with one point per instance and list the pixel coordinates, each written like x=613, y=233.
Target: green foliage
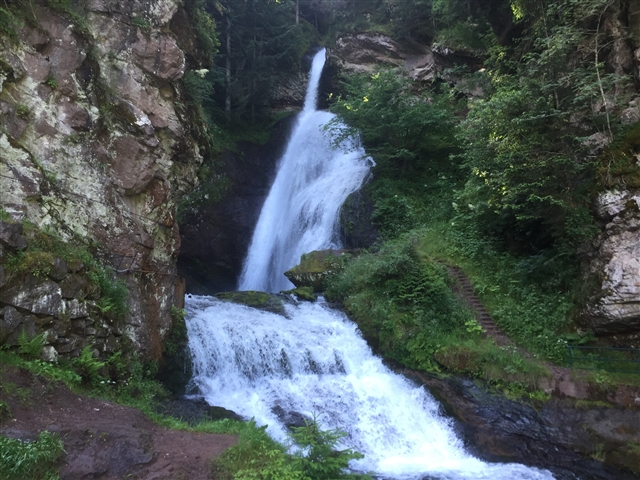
x=265, y=44
x=88, y=367
x=318, y=457
x=205, y=26
x=499, y=366
x=398, y=128
x=528, y=177
x=23, y=111
x=617, y=165
x=10, y=24
x=177, y=337
x=530, y=298
x=142, y=23
x=401, y=301
x=258, y=457
x=33, y=460
x=114, y=293
x=29, y=347
x=51, y=81
x=45, y=246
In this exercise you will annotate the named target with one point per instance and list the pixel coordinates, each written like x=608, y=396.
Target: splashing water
x=315, y=361
x=301, y=211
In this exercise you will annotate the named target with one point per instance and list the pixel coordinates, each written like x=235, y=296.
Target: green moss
x=503, y=367
x=302, y=293
x=618, y=164
x=319, y=261
x=175, y=367
x=44, y=246
x=259, y=300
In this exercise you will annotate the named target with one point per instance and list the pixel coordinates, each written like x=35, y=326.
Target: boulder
x=75, y=286
x=356, y=228
x=58, y=270
x=269, y=302
x=9, y=321
x=37, y=295
x=11, y=235
x=315, y=266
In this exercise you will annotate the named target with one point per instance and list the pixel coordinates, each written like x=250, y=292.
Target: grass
x=30, y=460
x=528, y=305
x=402, y=300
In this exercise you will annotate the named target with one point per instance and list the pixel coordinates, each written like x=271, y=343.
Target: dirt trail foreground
x=103, y=439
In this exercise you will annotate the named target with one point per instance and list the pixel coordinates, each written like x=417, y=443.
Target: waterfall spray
x=314, y=360
x=301, y=211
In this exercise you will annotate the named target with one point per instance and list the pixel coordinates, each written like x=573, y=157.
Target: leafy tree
x=260, y=42
x=527, y=147
x=400, y=129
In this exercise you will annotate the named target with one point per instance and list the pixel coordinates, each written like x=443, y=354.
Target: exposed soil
x=103, y=439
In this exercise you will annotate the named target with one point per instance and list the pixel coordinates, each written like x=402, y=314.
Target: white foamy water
x=300, y=213
x=316, y=362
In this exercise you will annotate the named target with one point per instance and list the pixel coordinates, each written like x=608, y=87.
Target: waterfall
x=301, y=211
x=313, y=361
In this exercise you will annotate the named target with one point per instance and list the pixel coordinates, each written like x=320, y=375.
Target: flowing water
x=300, y=213
x=313, y=361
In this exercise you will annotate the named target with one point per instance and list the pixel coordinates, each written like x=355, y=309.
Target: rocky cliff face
x=96, y=148
x=615, y=258
x=616, y=264
x=215, y=240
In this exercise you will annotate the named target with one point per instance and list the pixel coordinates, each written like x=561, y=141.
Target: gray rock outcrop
x=617, y=265
x=97, y=147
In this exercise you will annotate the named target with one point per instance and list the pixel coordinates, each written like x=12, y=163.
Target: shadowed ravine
x=313, y=361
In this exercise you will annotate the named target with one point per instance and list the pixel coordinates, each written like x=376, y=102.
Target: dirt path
x=103, y=439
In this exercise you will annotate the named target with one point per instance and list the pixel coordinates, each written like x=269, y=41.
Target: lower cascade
x=313, y=362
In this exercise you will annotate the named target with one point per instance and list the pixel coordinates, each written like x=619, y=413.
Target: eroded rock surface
x=617, y=265
x=97, y=148
x=368, y=52
x=587, y=442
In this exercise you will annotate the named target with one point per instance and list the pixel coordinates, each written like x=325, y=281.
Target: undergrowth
x=33, y=460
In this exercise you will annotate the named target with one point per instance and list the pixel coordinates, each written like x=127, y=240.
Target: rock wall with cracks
x=95, y=146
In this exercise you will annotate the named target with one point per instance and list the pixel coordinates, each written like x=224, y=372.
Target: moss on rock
x=268, y=302
x=315, y=266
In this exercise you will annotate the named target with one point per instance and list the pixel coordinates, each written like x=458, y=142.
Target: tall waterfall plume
x=301, y=212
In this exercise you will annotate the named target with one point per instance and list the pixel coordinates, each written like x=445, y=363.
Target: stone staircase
x=464, y=289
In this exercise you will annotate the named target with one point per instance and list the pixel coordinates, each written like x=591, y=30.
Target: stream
x=313, y=362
